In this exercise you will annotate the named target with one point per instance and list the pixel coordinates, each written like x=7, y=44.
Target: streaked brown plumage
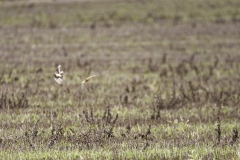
x=58, y=75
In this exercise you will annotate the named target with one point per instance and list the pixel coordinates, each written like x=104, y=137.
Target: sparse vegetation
x=168, y=84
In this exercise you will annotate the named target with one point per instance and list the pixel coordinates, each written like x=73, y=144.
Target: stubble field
x=168, y=84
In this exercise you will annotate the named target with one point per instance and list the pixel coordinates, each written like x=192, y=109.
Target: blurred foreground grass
x=168, y=84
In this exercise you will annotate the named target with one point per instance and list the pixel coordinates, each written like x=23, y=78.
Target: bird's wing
x=58, y=80
x=90, y=77
x=87, y=79
x=58, y=69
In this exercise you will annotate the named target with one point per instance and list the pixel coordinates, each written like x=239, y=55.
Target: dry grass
x=169, y=84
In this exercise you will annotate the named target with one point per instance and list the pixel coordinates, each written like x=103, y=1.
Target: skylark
x=86, y=80
x=58, y=75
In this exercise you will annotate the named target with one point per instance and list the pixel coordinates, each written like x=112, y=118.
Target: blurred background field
x=168, y=84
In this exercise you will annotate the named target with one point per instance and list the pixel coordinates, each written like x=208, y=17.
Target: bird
x=86, y=80
x=58, y=75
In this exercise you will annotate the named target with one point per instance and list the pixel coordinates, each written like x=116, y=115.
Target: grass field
x=168, y=84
